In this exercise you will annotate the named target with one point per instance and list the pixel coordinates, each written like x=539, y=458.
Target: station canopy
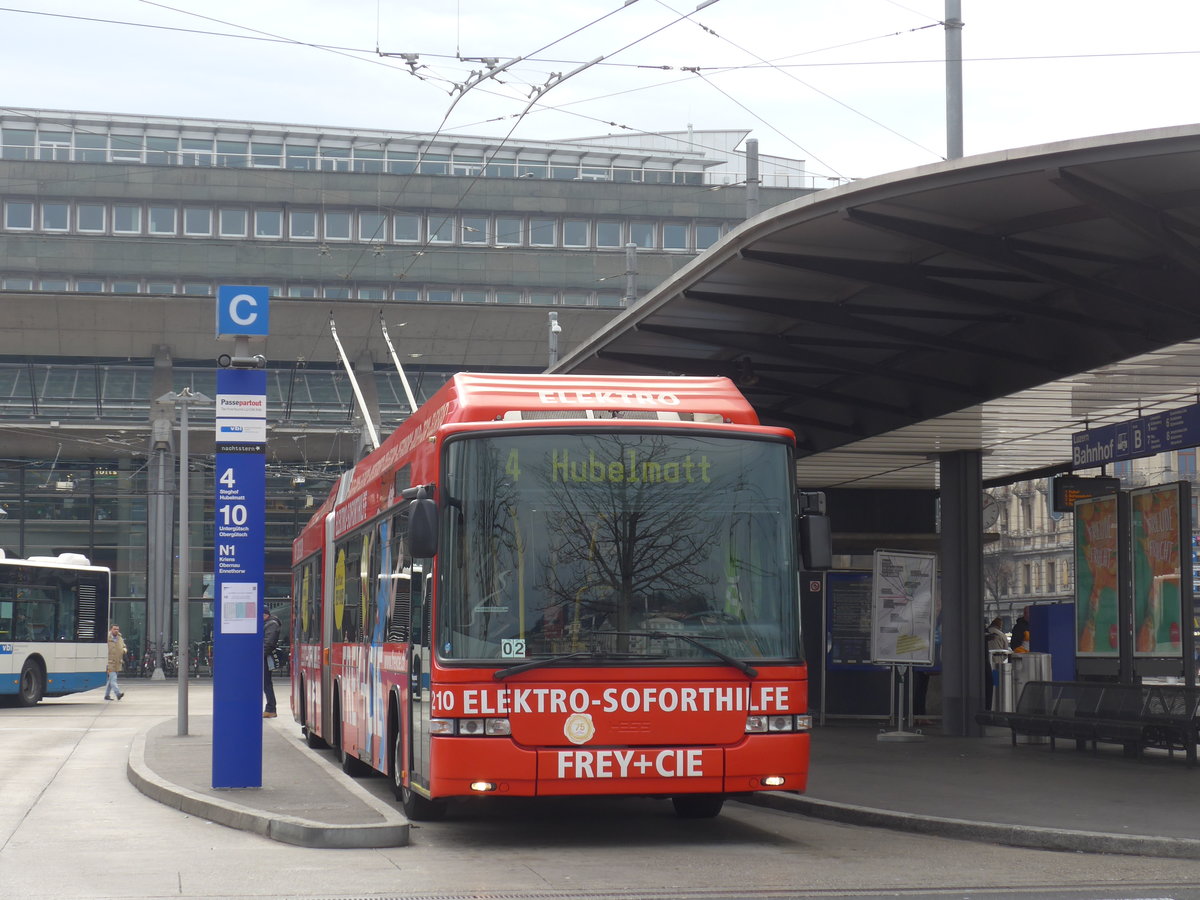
x=997, y=303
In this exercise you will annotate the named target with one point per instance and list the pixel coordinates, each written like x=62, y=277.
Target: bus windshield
x=618, y=545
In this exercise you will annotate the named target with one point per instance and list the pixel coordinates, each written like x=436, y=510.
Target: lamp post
x=183, y=399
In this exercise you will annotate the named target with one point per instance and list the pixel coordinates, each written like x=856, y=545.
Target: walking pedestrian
x=271, y=628
x=116, y=658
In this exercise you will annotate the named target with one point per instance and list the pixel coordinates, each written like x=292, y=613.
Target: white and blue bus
x=53, y=626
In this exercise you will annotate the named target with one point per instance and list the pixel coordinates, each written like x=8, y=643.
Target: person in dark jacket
x=1020, y=635
x=271, y=627
x=996, y=642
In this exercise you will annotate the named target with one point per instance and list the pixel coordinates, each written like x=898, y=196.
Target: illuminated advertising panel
x=1157, y=537
x=1096, y=572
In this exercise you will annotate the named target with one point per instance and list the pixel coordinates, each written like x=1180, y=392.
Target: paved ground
x=981, y=789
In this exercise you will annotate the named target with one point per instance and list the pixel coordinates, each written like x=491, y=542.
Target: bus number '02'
x=233, y=515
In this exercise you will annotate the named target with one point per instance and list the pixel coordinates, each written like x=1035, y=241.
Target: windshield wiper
x=501, y=674
x=739, y=664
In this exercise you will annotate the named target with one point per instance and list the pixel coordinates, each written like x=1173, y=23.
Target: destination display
x=1174, y=429
x=1070, y=489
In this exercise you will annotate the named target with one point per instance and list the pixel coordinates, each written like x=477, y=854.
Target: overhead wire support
x=460, y=90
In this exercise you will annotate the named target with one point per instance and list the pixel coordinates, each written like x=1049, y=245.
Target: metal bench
x=1135, y=716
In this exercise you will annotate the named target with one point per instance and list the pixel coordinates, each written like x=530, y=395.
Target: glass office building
x=116, y=231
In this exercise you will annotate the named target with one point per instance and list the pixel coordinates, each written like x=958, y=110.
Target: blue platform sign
x=242, y=311
x=1175, y=429
x=239, y=541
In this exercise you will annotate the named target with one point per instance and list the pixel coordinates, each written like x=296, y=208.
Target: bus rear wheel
x=32, y=686
x=698, y=806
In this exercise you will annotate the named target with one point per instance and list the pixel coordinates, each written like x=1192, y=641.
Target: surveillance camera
x=258, y=361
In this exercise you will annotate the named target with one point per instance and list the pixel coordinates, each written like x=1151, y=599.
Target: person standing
x=116, y=658
x=271, y=628
x=1020, y=635
x=996, y=640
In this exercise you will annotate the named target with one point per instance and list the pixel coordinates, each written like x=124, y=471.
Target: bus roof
x=482, y=397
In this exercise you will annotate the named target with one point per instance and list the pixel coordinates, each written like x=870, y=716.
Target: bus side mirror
x=423, y=528
x=816, y=542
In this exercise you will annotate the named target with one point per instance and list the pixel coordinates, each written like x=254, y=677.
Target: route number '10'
x=233, y=515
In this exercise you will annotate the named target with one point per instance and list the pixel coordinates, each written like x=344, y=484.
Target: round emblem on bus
x=579, y=728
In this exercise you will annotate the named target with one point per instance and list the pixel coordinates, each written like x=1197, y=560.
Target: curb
x=393, y=832
x=1028, y=836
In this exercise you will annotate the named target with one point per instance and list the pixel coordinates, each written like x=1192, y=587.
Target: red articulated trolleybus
x=548, y=585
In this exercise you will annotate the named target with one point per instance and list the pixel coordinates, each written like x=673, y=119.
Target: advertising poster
x=903, y=607
x=1096, y=570
x=1155, y=523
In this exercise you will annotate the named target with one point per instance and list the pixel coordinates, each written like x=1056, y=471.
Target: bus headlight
x=777, y=724
x=471, y=727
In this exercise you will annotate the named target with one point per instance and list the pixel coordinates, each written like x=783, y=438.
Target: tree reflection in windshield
x=563, y=542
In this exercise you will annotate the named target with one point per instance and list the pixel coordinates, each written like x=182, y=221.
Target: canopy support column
x=962, y=591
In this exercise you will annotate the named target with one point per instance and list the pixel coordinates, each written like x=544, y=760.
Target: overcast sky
x=855, y=87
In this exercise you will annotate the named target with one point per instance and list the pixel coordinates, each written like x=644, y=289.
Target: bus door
x=419, y=664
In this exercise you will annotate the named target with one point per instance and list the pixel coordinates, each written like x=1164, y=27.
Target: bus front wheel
x=416, y=807
x=698, y=806
x=32, y=685
x=421, y=809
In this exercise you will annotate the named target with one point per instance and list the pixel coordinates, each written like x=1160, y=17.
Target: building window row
x=315, y=290
x=368, y=226
x=62, y=144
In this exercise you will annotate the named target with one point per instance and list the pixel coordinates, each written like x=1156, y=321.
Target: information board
x=848, y=620
x=239, y=539
x=903, y=609
x=1174, y=429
